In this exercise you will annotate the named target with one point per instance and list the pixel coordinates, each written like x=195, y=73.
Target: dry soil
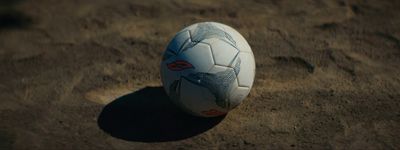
x=84, y=74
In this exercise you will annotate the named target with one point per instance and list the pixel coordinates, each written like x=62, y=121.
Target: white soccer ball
x=208, y=69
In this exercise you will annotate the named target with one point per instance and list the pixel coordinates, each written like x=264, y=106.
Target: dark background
x=84, y=74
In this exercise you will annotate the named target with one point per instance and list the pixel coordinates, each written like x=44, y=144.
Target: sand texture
x=84, y=74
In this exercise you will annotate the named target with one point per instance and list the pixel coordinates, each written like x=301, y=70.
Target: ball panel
x=196, y=98
x=177, y=42
x=241, y=42
x=209, y=41
x=247, y=69
x=232, y=90
x=217, y=68
x=237, y=95
x=200, y=56
x=223, y=52
x=219, y=83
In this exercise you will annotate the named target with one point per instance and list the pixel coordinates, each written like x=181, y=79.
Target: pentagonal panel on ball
x=223, y=52
x=199, y=56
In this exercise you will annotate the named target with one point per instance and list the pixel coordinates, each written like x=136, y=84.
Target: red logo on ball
x=179, y=65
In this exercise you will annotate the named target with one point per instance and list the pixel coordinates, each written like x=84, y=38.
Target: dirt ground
x=85, y=75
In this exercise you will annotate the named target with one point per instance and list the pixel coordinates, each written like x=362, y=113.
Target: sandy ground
x=85, y=75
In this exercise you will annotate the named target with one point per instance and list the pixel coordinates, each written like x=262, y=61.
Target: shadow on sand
x=10, y=17
x=147, y=115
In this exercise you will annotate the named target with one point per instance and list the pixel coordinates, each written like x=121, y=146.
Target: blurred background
x=327, y=75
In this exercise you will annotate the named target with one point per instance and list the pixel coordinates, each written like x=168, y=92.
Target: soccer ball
x=208, y=69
